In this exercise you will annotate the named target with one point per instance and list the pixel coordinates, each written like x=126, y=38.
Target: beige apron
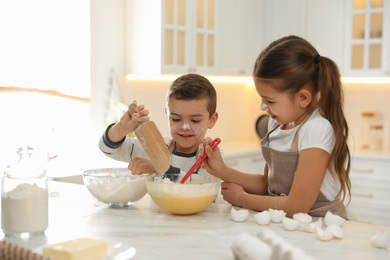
x=281, y=172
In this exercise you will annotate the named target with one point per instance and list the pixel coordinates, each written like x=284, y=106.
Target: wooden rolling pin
x=153, y=143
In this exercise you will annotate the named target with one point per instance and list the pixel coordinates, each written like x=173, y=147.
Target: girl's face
x=188, y=122
x=282, y=107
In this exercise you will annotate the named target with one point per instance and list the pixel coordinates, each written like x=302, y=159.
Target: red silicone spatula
x=200, y=160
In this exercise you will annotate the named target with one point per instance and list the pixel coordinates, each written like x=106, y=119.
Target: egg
x=263, y=218
x=249, y=247
x=270, y=237
x=289, y=224
x=277, y=215
x=331, y=219
x=381, y=239
x=281, y=249
x=239, y=215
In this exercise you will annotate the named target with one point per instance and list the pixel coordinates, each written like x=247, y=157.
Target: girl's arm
x=308, y=179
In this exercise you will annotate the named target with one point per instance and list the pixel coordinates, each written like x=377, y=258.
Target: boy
x=191, y=103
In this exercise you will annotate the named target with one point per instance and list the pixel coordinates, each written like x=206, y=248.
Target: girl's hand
x=213, y=163
x=140, y=166
x=202, y=146
x=232, y=193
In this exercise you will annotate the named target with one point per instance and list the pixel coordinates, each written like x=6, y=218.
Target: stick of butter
x=77, y=249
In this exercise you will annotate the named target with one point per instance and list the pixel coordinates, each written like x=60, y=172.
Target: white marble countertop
x=156, y=234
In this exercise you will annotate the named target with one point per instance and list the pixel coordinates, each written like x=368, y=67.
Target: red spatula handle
x=200, y=160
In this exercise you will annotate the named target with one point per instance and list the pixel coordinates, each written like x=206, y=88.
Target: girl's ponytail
x=331, y=99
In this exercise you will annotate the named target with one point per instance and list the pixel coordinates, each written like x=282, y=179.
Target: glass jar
x=367, y=120
x=24, y=197
x=376, y=137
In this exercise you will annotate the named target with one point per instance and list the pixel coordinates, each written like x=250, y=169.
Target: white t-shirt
x=316, y=132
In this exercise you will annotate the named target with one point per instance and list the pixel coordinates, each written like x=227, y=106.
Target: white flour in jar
x=24, y=209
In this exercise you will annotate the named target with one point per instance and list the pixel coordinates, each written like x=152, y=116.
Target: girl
x=306, y=152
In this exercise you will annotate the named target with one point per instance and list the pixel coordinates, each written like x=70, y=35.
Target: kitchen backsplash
x=367, y=97
x=239, y=107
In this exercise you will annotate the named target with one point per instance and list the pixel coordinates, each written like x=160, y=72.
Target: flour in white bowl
x=118, y=190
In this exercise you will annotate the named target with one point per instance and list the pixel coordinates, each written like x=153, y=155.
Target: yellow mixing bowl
x=184, y=199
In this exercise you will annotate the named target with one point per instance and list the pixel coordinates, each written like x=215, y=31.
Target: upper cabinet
x=353, y=33
x=188, y=36
x=367, y=38
x=182, y=36
x=224, y=37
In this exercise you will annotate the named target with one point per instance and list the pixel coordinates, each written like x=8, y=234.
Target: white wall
x=107, y=54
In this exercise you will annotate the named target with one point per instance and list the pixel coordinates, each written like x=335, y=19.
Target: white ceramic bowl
x=184, y=199
x=116, y=186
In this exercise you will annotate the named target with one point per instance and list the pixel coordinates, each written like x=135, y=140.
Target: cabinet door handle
x=362, y=194
x=362, y=170
x=231, y=164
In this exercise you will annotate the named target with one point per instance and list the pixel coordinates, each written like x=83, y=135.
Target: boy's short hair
x=193, y=87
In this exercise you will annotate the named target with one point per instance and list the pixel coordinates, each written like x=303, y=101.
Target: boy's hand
x=140, y=166
x=128, y=122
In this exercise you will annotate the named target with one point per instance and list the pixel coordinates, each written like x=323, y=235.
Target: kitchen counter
x=156, y=234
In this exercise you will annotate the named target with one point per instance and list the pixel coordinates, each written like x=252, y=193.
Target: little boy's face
x=188, y=123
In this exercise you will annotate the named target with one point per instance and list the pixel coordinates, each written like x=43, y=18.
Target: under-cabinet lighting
x=365, y=80
x=171, y=77
x=248, y=80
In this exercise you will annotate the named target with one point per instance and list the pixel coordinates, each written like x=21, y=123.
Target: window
x=44, y=48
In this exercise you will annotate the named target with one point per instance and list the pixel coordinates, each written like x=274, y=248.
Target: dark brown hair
x=290, y=63
x=193, y=87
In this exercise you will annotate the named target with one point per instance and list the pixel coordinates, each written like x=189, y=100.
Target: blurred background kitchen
x=69, y=68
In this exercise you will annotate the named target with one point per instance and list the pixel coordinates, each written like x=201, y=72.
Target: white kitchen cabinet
x=353, y=33
x=370, y=178
x=239, y=36
x=170, y=36
x=367, y=38
x=320, y=22
x=188, y=36
x=212, y=37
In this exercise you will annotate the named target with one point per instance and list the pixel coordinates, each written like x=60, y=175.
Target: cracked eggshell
x=381, y=239
x=329, y=232
x=302, y=218
x=248, y=247
x=332, y=219
x=311, y=227
x=289, y=224
x=323, y=235
x=277, y=215
x=263, y=218
x=335, y=230
x=239, y=215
